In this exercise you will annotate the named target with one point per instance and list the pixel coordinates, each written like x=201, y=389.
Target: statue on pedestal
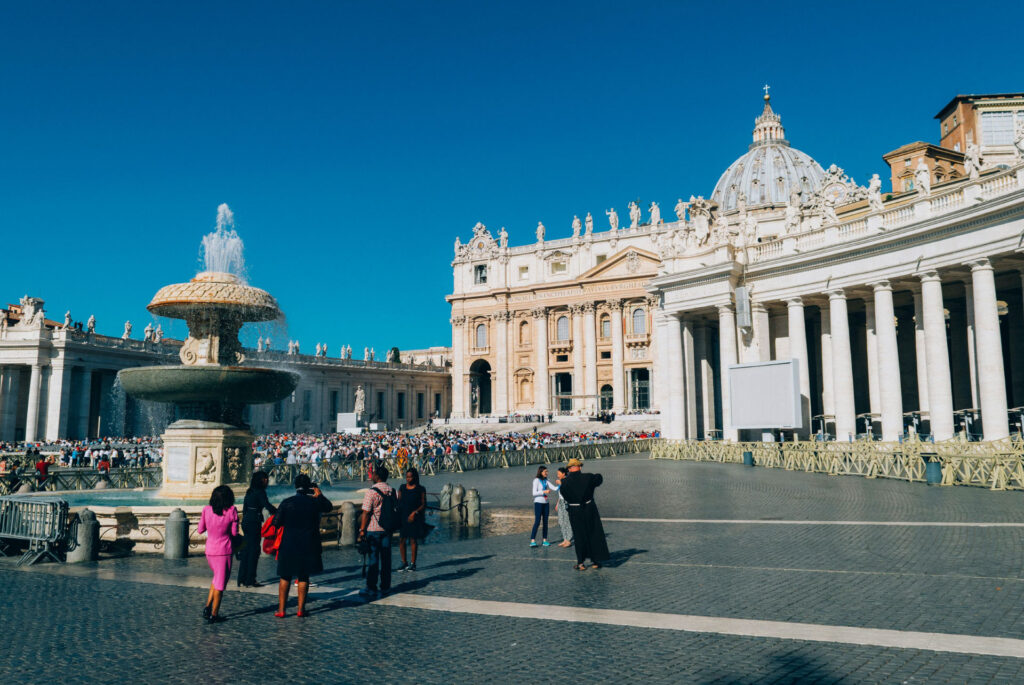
x=613, y=218
x=371, y=354
x=127, y=330
x=366, y=354
x=67, y=320
x=147, y=332
x=680, y=210
x=91, y=324
x=794, y=214
x=875, y=194
x=589, y=223
x=540, y=232
x=634, y=215
x=577, y=226
x=973, y=161
x=360, y=407
x=655, y=214
x=922, y=179
x=319, y=349
x=259, y=344
x=158, y=334
x=502, y=237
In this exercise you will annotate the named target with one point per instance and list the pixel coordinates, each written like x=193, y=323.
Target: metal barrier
x=42, y=521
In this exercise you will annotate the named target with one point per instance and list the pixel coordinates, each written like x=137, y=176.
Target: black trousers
x=250, y=556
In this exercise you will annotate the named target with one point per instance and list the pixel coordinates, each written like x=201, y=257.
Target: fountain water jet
x=209, y=445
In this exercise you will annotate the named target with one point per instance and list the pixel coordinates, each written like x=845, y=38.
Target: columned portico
x=540, y=323
x=57, y=402
x=674, y=425
x=991, y=380
x=689, y=387
x=619, y=379
x=842, y=366
x=32, y=418
x=590, y=346
x=726, y=356
x=940, y=389
x=500, y=338
x=890, y=392
x=459, y=395
x=577, y=357
x=798, y=351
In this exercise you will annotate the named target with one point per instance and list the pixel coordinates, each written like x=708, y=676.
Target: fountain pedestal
x=200, y=455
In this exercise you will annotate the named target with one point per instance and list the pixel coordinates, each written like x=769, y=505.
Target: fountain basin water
x=228, y=384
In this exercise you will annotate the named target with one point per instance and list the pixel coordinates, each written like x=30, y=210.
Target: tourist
x=252, y=523
x=412, y=507
x=42, y=470
x=540, y=505
x=300, y=554
x=378, y=539
x=219, y=521
x=562, y=510
x=577, y=490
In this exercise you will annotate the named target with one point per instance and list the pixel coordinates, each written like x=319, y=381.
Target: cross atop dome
x=768, y=126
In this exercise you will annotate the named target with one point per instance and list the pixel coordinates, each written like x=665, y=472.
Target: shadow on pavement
x=621, y=556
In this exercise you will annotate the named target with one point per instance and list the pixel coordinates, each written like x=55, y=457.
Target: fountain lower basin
x=227, y=384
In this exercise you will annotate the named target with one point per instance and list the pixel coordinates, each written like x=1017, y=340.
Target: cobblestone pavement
x=137, y=619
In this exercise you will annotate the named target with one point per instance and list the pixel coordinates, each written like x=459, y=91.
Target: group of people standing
x=578, y=517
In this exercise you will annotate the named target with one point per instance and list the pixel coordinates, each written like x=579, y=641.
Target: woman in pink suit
x=219, y=521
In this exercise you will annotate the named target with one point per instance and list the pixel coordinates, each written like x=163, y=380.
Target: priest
x=577, y=490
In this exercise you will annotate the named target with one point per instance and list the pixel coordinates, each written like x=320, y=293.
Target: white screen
x=765, y=395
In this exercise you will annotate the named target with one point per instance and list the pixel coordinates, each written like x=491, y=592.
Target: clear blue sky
x=354, y=141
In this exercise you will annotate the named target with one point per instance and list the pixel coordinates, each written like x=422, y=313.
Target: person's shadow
x=621, y=556
x=348, y=599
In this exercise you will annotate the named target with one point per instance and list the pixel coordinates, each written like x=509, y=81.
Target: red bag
x=271, y=534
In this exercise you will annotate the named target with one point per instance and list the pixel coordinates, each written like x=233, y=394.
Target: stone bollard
x=176, y=535
x=458, y=495
x=348, y=525
x=445, y=501
x=473, y=508
x=87, y=544
x=101, y=484
x=25, y=488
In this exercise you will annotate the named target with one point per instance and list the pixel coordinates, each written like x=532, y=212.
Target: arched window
x=606, y=397
x=562, y=328
x=524, y=333
x=481, y=335
x=639, y=322
x=606, y=327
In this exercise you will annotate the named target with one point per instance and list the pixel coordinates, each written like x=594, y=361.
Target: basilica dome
x=769, y=171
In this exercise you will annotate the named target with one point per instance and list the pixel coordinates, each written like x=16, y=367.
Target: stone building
x=61, y=382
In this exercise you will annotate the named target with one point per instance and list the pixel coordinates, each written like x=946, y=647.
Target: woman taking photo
x=540, y=506
x=299, y=556
x=219, y=521
x=252, y=522
x=412, y=506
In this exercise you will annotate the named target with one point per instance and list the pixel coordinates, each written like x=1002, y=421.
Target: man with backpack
x=379, y=520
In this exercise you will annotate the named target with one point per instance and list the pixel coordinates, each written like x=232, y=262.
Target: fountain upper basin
x=213, y=291
x=211, y=383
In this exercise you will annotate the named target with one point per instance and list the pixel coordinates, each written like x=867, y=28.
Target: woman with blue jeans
x=540, y=505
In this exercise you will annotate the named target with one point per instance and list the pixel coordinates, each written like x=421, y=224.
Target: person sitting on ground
x=300, y=553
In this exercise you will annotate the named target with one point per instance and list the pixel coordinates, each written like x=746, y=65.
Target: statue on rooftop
x=655, y=214
x=973, y=161
x=613, y=218
x=589, y=223
x=680, y=210
x=875, y=194
x=158, y=334
x=922, y=179
x=91, y=324
x=577, y=225
x=67, y=319
x=503, y=237
x=127, y=330
x=634, y=215
x=540, y=232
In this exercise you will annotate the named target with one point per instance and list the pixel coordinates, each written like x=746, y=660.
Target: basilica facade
x=903, y=310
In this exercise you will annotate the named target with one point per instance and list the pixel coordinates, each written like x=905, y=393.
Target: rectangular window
x=480, y=274
x=997, y=128
x=419, y=405
x=601, y=258
x=524, y=273
x=278, y=411
x=380, y=406
x=437, y=403
x=561, y=357
x=401, y=405
x=334, y=403
x=307, y=405
x=606, y=355
x=558, y=267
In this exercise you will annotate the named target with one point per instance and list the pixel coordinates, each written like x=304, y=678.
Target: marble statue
x=589, y=223
x=973, y=161
x=3, y=320
x=319, y=350
x=680, y=210
x=291, y=347
x=259, y=344
x=922, y=179
x=613, y=218
x=158, y=334
x=577, y=225
x=540, y=232
x=655, y=211
x=392, y=356
x=366, y=354
x=67, y=319
x=458, y=246
x=794, y=214
x=127, y=330
x=828, y=212
x=634, y=215
x=700, y=217
x=266, y=344
x=147, y=332
x=875, y=194
x=749, y=230
x=741, y=203
x=1018, y=138
x=503, y=237
x=91, y=324
x=323, y=352
x=360, y=407
x=372, y=354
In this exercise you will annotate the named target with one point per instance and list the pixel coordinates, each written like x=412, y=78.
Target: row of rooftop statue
x=704, y=226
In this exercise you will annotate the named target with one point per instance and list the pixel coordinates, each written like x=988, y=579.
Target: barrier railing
x=997, y=465
x=40, y=520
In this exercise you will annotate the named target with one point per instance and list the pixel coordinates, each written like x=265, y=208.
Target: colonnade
x=838, y=382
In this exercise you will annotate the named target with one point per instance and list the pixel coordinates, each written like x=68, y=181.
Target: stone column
x=57, y=402
x=828, y=397
x=890, y=391
x=921, y=354
x=871, y=346
x=459, y=409
x=972, y=356
x=618, y=368
x=32, y=419
x=578, y=405
x=762, y=332
x=674, y=427
x=940, y=390
x=499, y=397
x=726, y=356
x=705, y=380
x=689, y=384
x=798, y=351
x=12, y=391
x=991, y=378
x=590, y=348
x=541, y=397
x=842, y=367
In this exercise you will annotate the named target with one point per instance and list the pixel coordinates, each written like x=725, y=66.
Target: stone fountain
x=209, y=444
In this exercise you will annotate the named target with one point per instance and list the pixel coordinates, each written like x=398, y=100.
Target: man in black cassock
x=577, y=490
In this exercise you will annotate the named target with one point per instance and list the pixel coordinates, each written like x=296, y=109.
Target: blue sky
x=354, y=141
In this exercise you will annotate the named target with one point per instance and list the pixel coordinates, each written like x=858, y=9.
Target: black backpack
x=390, y=519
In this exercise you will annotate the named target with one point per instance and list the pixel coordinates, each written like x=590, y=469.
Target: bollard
x=25, y=488
x=347, y=537
x=932, y=470
x=445, y=501
x=87, y=543
x=176, y=535
x=473, y=507
x=748, y=458
x=458, y=496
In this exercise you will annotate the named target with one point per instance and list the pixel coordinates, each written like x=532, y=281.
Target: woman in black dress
x=299, y=556
x=412, y=505
x=252, y=522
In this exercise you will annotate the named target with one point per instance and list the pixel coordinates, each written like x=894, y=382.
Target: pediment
x=627, y=263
